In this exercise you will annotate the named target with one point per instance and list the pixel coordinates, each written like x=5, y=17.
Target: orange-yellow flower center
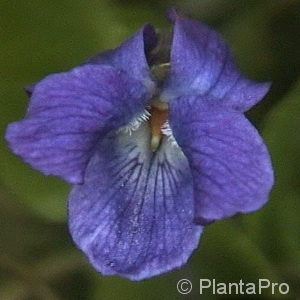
x=159, y=114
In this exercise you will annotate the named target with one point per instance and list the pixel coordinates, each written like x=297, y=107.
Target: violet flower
x=155, y=144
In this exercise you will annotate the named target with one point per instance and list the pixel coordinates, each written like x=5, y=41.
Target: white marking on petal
x=136, y=123
x=167, y=131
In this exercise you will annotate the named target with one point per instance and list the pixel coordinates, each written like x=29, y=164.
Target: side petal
x=69, y=112
x=202, y=64
x=133, y=216
x=231, y=167
x=132, y=55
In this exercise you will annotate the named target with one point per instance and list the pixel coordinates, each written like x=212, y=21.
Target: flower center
x=156, y=114
x=158, y=117
x=158, y=108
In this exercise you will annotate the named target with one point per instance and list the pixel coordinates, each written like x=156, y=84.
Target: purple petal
x=69, y=112
x=133, y=216
x=230, y=164
x=202, y=64
x=132, y=55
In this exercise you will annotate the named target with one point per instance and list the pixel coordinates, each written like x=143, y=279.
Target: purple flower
x=155, y=143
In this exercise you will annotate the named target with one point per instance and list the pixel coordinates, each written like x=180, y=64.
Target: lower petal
x=133, y=216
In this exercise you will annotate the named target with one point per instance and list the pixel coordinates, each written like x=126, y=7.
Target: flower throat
x=160, y=69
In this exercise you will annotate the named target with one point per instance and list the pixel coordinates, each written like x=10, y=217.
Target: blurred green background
x=37, y=257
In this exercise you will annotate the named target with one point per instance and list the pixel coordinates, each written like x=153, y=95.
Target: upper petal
x=133, y=216
x=132, y=55
x=202, y=64
x=231, y=167
x=69, y=112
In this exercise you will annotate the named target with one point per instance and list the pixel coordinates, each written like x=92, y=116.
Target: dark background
x=37, y=257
